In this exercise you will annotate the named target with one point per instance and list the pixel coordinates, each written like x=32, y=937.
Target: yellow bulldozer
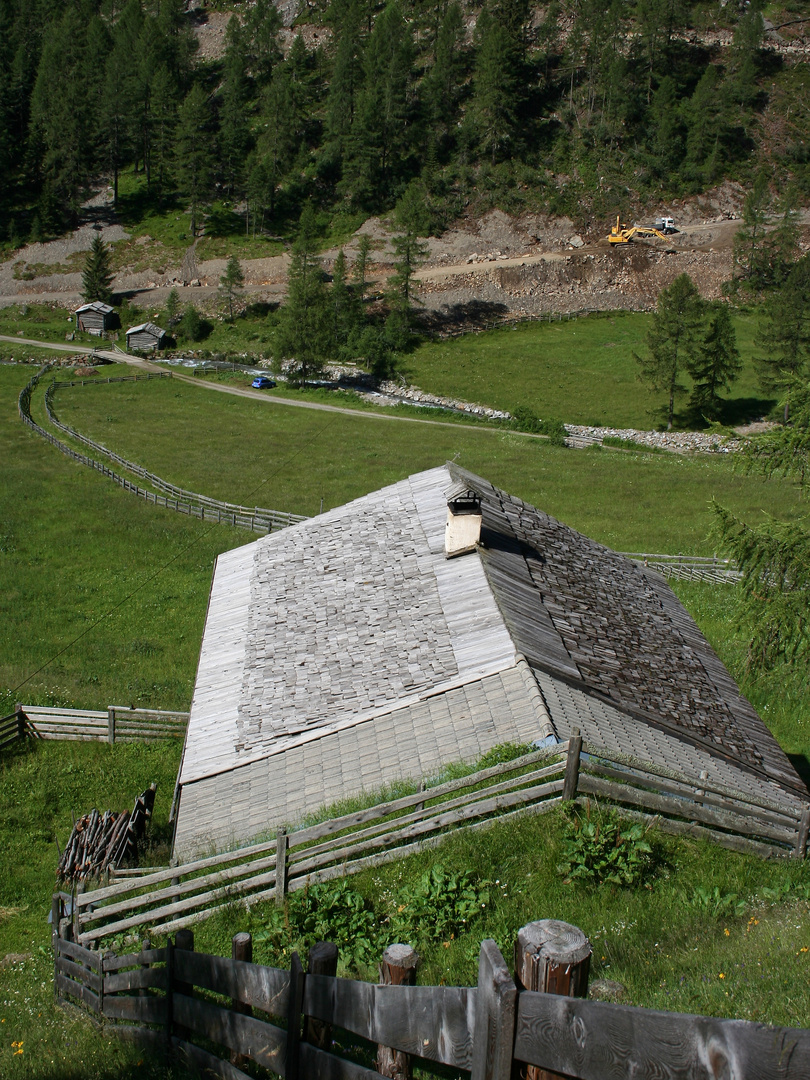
x=623, y=234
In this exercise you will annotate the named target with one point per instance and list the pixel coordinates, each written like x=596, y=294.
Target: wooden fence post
x=241, y=949
x=554, y=958
x=571, y=780
x=296, y=1001
x=495, y=1016
x=183, y=939
x=322, y=960
x=56, y=916
x=282, y=843
x=146, y=945
x=800, y=850
x=397, y=968
x=110, y=725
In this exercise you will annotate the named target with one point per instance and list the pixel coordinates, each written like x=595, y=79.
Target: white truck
x=665, y=225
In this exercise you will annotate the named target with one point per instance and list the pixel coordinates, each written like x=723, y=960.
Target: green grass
x=260, y=453
x=42, y=785
x=79, y=558
x=44, y=322
x=581, y=371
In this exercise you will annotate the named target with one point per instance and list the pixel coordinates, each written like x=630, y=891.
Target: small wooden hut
x=95, y=318
x=145, y=336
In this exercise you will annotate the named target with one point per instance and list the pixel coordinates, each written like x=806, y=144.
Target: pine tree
x=785, y=336
x=346, y=81
x=231, y=284
x=193, y=152
x=717, y=363
x=673, y=340
x=172, y=309
x=304, y=335
x=162, y=122
x=97, y=276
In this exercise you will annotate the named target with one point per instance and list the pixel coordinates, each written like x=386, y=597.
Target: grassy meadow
x=105, y=602
x=582, y=371
x=81, y=559
x=261, y=452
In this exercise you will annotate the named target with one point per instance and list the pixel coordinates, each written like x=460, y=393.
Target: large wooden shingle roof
x=347, y=652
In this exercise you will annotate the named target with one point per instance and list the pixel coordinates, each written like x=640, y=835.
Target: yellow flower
x=727, y=932
x=802, y=949
x=722, y=975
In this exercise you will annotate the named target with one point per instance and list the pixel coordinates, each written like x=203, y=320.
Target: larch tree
x=673, y=341
x=231, y=284
x=784, y=336
x=774, y=557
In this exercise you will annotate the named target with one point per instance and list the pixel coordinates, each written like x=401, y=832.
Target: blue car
x=261, y=382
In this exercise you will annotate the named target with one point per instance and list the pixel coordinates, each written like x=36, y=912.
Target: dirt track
x=481, y=269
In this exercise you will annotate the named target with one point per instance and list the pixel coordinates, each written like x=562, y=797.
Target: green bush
x=599, y=848
x=438, y=906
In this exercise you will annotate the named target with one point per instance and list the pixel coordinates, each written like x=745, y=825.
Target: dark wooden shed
x=145, y=336
x=95, y=318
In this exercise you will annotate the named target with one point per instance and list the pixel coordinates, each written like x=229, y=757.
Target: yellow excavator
x=623, y=234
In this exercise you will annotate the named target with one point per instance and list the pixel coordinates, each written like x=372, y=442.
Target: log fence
x=187, y=893
x=295, y=1023
x=255, y=519
x=117, y=723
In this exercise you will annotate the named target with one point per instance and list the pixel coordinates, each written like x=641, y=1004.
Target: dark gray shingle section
x=585, y=613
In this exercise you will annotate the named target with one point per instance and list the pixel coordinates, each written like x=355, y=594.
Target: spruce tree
x=97, y=276
x=194, y=152
x=673, y=341
x=717, y=363
x=496, y=87
x=304, y=335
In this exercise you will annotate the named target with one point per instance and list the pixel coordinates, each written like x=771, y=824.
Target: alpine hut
x=145, y=336
x=425, y=623
x=95, y=318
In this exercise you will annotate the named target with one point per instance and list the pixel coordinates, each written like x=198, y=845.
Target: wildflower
x=18, y=1047
x=727, y=932
x=722, y=975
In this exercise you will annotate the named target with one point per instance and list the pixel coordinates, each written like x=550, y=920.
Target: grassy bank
x=81, y=559
x=705, y=931
x=581, y=371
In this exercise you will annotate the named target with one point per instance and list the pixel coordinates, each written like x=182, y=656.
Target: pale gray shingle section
x=348, y=615
x=407, y=743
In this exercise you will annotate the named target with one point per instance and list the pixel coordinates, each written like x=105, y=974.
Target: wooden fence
x=155, y=998
x=692, y=567
x=118, y=723
x=187, y=893
x=255, y=519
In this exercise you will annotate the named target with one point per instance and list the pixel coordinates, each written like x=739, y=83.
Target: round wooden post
x=553, y=957
x=241, y=949
x=322, y=960
x=397, y=968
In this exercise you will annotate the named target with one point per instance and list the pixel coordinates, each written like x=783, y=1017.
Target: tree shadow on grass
x=474, y=315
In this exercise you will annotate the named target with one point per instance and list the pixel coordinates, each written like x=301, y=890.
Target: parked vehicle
x=261, y=382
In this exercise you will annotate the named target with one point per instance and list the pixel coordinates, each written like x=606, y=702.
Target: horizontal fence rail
x=693, y=567
x=187, y=893
x=254, y=519
x=118, y=723
x=170, y=999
